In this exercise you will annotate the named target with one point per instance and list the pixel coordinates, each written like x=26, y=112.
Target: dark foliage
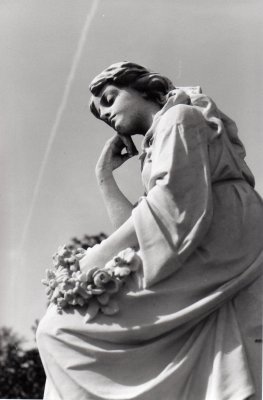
x=86, y=241
x=21, y=372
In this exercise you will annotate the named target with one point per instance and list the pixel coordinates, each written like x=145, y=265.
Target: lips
x=111, y=121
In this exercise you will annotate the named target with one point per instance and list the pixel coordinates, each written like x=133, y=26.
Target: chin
x=127, y=129
x=121, y=130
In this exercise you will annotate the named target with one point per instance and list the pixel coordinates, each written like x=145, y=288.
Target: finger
x=130, y=146
x=118, y=141
x=125, y=157
x=116, y=144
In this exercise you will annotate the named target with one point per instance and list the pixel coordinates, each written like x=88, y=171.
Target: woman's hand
x=111, y=156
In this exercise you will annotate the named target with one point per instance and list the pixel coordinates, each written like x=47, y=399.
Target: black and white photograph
x=131, y=199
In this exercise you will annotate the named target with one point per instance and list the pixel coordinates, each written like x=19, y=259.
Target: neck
x=155, y=108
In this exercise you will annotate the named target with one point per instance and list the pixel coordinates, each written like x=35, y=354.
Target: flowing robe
x=189, y=324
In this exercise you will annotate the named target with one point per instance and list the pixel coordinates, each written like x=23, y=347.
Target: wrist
x=103, y=174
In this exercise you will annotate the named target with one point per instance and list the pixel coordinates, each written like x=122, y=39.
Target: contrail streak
x=60, y=111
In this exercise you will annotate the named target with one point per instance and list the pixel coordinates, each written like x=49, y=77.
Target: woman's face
x=125, y=109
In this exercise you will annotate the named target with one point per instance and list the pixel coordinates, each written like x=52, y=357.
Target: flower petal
x=92, y=310
x=90, y=274
x=104, y=298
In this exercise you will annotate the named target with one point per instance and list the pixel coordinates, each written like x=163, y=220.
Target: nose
x=105, y=115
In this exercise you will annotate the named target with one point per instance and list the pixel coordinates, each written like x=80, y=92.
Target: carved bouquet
x=68, y=286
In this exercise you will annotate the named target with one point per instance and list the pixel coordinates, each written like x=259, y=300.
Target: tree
x=87, y=241
x=21, y=372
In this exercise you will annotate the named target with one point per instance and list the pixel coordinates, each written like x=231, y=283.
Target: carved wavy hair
x=127, y=74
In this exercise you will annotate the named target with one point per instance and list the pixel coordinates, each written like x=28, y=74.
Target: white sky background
x=216, y=44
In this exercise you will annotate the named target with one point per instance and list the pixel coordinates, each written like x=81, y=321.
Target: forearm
x=119, y=208
x=125, y=236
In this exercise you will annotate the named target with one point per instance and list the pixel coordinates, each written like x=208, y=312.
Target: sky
x=46, y=121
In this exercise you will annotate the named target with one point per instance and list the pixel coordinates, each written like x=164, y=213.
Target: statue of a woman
x=188, y=328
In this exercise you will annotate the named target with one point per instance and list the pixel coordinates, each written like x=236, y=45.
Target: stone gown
x=189, y=324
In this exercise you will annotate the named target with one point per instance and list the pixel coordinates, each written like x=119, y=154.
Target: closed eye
x=107, y=100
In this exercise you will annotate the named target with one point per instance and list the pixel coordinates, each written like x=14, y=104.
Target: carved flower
x=128, y=257
x=122, y=271
x=68, y=286
x=101, y=278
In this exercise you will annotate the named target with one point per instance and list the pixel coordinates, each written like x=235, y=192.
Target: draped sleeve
x=175, y=215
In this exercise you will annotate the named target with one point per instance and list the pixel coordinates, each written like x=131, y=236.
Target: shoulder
x=183, y=123
x=181, y=114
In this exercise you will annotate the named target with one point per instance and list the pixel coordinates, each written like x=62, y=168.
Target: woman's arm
x=118, y=206
x=100, y=254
